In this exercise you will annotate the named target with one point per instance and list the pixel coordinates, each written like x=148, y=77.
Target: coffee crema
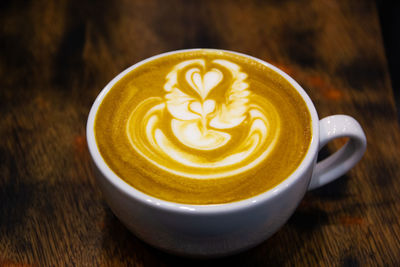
x=203, y=127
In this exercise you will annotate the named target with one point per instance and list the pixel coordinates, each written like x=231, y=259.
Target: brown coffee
x=203, y=127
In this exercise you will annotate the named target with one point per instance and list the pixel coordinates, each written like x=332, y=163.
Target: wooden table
x=56, y=56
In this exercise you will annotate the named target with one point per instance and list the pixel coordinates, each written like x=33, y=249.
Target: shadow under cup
x=217, y=229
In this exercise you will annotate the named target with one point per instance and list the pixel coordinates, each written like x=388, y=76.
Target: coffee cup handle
x=344, y=159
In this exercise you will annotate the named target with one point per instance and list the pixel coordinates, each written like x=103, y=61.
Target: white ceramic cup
x=223, y=229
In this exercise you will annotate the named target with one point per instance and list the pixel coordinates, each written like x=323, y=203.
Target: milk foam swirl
x=207, y=125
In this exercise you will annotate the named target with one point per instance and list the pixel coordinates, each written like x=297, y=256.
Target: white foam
x=203, y=84
x=221, y=123
x=191, y=135
x=234, y=68
x=201, y=123
x=228, y=117
x=203, y=108
x=181, y=111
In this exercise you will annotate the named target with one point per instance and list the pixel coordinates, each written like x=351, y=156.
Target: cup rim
x=127, y=189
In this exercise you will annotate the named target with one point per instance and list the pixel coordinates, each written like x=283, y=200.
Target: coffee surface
x=203, y=127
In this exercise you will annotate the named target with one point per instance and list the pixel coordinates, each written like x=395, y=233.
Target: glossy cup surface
x=204, y=230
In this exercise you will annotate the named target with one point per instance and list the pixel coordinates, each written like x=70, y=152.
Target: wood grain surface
x=56, y=56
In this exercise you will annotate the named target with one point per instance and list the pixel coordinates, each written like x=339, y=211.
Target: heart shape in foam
x=203, y=109
x=203, y=84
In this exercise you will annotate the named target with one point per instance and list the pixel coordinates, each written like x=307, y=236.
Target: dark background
x=389, y=15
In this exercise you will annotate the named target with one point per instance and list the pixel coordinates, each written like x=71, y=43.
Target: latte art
x=202, y=127
x=207, y=105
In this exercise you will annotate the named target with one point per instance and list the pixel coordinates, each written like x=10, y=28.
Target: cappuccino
x=203, y=127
